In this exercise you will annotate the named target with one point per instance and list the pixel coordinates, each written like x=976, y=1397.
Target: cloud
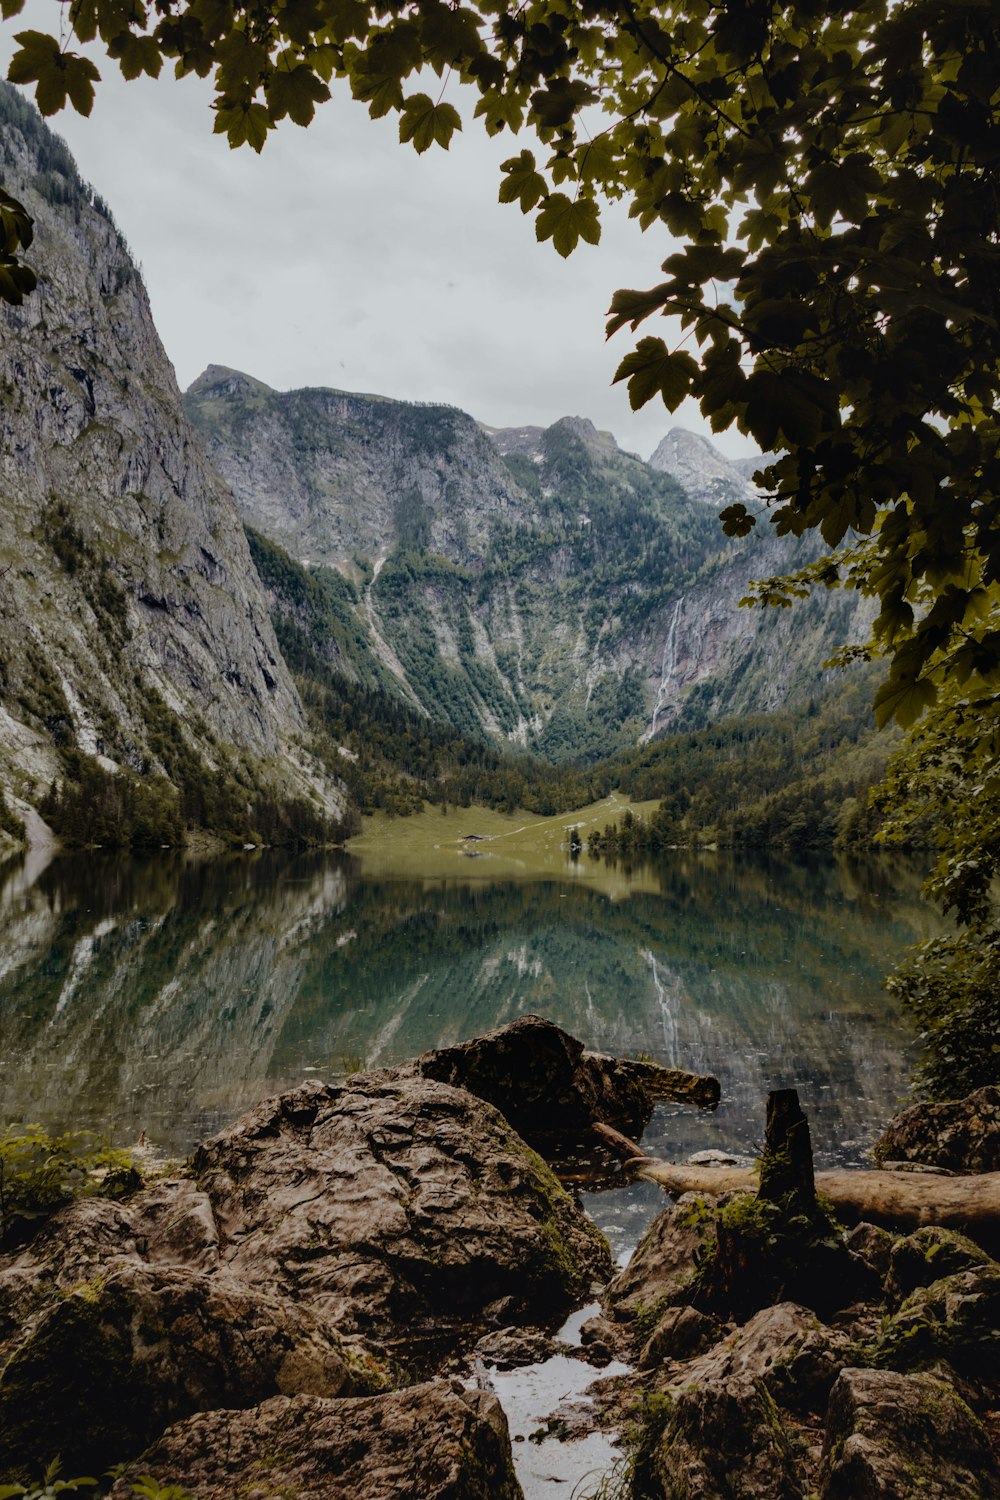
x=339, y=257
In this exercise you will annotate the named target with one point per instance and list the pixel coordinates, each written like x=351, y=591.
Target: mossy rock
x=956, y=1319
x=103, y=1369
x=927, y=1256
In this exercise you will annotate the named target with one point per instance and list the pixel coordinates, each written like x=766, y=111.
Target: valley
x=247, y=615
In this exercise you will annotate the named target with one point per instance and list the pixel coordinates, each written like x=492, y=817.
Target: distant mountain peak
x=701, y=470
x=584, y=429
x=220, y=380
x=530, y=440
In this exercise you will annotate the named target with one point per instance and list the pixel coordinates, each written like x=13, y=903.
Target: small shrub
x=48, y=1485
x=40, y=1173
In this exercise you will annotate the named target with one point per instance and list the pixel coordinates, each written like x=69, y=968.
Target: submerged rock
x=895, y=1436
x=549, y=1088
x=962, y=1135
x=437, y=1441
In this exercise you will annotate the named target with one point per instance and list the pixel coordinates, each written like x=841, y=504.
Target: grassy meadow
x=477, y=843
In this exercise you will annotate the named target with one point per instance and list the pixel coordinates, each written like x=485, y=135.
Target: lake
x=165, y=996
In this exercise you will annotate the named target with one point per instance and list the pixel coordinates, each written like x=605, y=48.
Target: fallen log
x=897, y=1200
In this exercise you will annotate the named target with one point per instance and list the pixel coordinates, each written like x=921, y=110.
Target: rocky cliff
x=130, y=614
x=542, y=585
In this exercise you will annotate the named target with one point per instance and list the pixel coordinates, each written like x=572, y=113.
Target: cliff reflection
x=168, y=995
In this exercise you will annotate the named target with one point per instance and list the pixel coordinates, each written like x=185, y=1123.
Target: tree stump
x=779, y=1244
x=786, y=1168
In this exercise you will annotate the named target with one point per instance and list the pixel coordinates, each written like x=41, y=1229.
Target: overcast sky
x=339, y=257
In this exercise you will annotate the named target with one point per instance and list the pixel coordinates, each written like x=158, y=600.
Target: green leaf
x=449, y=35
x=556, y=105
x=737, y=520
x=16, y=280
x=57, y=75
x=295, y=92
x=565, y=222
x=80, y=76
x=423, y=122
x=522, y=182
x=137, y=55
x=652, y=370
x=903, y=699
x=40, y=61
x=243, y=124
x=500, y=112
x=16, y=224
x=632, y=308
x=381, y=91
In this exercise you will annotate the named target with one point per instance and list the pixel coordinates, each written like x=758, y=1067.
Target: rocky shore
x=318, y=1306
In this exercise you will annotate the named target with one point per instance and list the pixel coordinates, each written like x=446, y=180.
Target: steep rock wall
x=127, y=582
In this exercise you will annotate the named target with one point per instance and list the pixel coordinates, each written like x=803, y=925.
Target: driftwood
x=903, y=1200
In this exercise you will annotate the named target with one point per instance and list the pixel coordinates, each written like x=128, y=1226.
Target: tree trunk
x=898, y=1200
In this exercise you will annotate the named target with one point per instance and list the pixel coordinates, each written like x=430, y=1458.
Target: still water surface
x=166, y=996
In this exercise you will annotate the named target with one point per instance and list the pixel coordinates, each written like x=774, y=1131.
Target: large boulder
x=394, y=1214
x=105, y=1366
x=721, y=1440
x=961, y=1135
x=893, y=1437
x=784, y=1348
x=551, y=1090
x=436, y=1441
x=400, y=1208
x=662, y=1265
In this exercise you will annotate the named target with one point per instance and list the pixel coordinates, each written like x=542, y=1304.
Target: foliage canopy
x=831, y=175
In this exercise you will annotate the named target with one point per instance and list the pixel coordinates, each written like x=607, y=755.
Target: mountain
x=166, y=563
x=133, y=627
x=538, y=584
x=702, y=471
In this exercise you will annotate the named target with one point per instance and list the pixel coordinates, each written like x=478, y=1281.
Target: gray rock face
x=662, y=1264
x=436, y=1441
x=962, y=1135
x=681, y=1333
x=558, y=586
x=893, y=1437
x=129, y=570
x=328, y=473
x=702, y=471
x=785, y=1348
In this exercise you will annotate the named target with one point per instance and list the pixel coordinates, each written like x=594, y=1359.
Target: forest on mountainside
x=783, y=780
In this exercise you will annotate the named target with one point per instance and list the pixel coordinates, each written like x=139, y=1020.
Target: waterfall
x=667, y=667
x=668, y=1012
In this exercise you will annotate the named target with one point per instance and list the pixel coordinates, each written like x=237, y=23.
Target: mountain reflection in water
x=167, y=996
